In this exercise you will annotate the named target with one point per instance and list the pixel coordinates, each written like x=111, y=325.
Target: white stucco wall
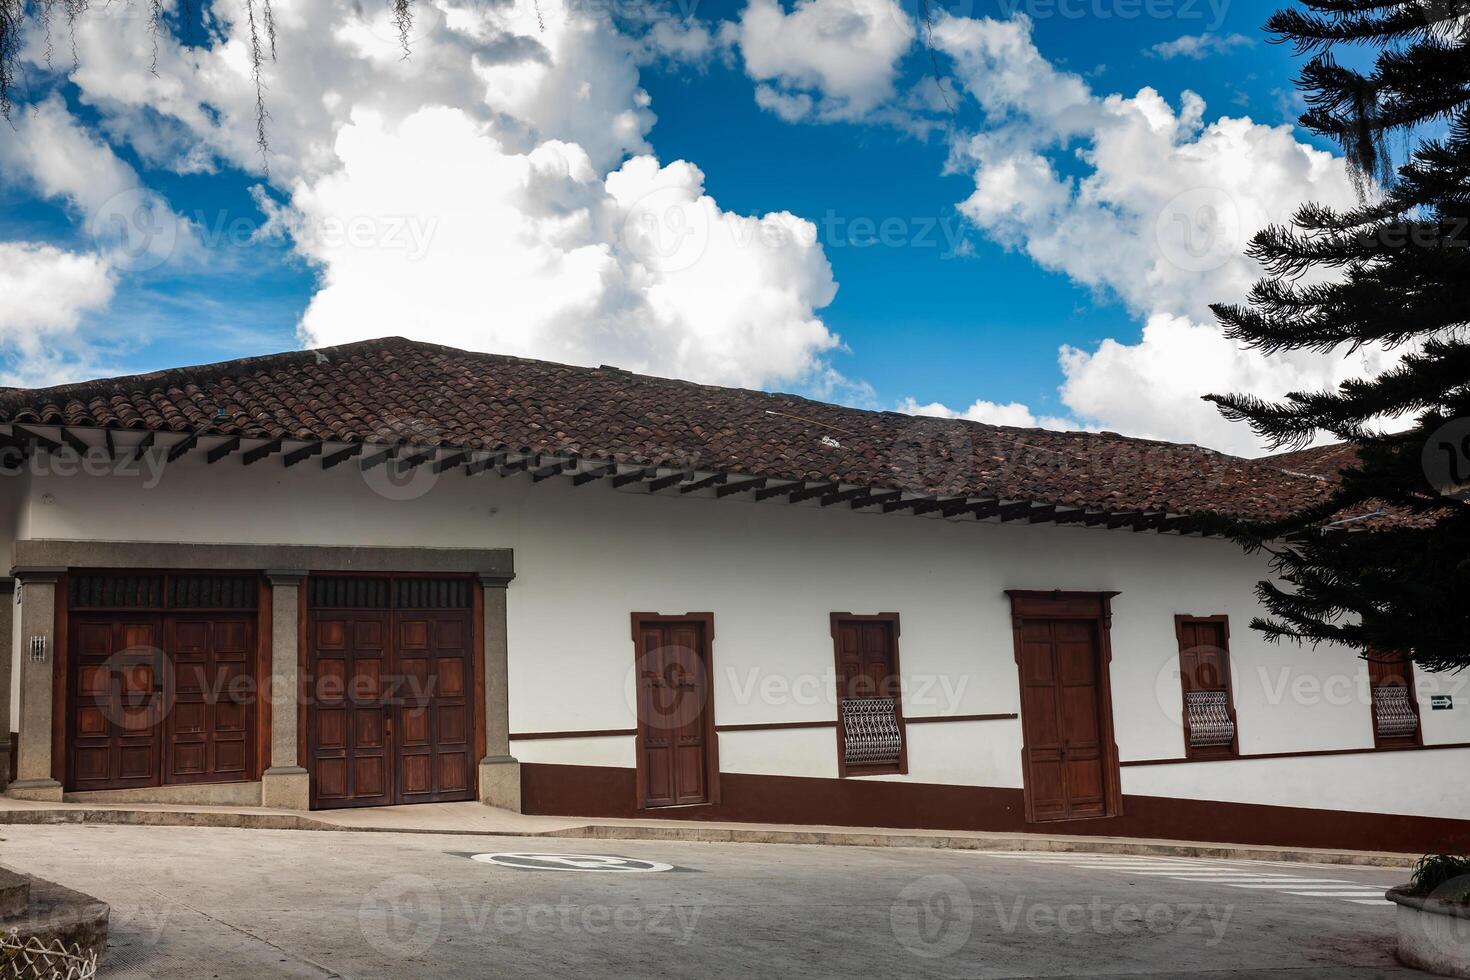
x=586, y=557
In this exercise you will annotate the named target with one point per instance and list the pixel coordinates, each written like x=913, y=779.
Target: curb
x=722, y=835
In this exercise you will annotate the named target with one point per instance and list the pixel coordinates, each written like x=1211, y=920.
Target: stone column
x=7, y=658
x=285, y=784
x=34, y=778
x=500, y=773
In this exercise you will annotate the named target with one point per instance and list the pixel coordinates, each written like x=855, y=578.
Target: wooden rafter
x=36, y=438
x=222, y=450
x=634, y=476
x=145, y=445
x=595, y=473
x=76, y=442
x=740, y=486
x=708, y=481
x=304, y=453
x=262, y=451
x=342, y=455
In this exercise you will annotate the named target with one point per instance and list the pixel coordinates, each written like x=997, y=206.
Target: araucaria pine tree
x=1394, y=270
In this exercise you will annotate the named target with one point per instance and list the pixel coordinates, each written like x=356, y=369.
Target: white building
x=391, y=572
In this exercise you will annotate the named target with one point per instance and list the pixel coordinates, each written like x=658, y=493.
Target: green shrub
x=1446, y=876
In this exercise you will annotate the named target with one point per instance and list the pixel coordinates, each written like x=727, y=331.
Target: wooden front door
x=390, y=717
x=116, y=679
x=1061, y=709
x=675, y=717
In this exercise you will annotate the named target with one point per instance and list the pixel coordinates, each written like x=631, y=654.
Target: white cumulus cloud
x=1145, y=201
x=495, y=190
x=825, y=59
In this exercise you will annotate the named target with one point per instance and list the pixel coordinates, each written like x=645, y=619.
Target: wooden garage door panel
x=208, y=735
x=406, y=675
x=114, y=702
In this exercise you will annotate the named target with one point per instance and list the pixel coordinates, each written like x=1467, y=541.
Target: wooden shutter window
x=1395, y=709
x=870, y=732
x=1204, y=674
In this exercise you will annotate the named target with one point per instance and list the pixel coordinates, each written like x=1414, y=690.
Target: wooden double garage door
x=390, y=682
x=161, y=675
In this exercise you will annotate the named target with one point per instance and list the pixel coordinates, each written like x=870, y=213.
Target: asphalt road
x=201, y=903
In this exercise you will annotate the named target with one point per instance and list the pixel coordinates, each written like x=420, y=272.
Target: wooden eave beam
x=1071, y=516
x=510, y=467
x=843, y=496
x=1181, y=523
x=484, y=463
x=664, y=482
x=807, y=493
x=595, y=473
x=709, y=481
x=1042, y=513
x=450, y=462
x=76, y=442
x=985, y=509
x=378, y=459
x=342, y=455
x=304, y=453
x=180, y=448
x=45, y=442
x=877, y=498
x=900, y=504
x=546, y=472
x=261, y=452
x=766, y=493
x=417, y=459
x=107, y=441
x=222, y=450
x=1117, y=520
x=1148, y=522
x=145, y=445
x=740, y=487
x=1012, y=511
x=930, y=505
x=634, y=476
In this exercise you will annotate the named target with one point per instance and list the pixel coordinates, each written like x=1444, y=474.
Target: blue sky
x=958, y=307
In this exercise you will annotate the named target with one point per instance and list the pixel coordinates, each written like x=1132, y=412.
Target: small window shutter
x=1204, y=670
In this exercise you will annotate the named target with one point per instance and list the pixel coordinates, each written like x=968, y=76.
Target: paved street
x=261, y=904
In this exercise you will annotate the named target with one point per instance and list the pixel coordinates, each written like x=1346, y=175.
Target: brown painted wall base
x=595, y=791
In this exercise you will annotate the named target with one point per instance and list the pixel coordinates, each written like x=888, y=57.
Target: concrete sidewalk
x=477, y=819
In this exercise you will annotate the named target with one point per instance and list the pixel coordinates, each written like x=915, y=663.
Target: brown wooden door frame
x=1084, y=606
x=706, y=623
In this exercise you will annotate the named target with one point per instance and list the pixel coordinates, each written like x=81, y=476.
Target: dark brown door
x=116, y=680
x=1061, y=711
x=673, y=713
x=350, y=714
x=207, y=731
x=392, y=707
x=434, y=709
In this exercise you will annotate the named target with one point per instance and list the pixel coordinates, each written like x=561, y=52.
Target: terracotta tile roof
x=1327, y=461
x=398, y=391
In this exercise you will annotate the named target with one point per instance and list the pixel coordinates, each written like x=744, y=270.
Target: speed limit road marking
x=534, y=861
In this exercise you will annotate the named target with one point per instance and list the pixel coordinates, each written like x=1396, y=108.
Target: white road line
x=1350, y=895
x=1286, y=885
x=1372, y=901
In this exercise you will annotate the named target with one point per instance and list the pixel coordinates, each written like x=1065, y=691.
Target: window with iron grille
x=1204, y=674
x=1395, y=710
x=870, y=730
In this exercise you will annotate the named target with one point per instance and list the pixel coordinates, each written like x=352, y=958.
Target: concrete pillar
x=500, y=773
x=285, y=784
x=7, y=658
x=34, y=778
